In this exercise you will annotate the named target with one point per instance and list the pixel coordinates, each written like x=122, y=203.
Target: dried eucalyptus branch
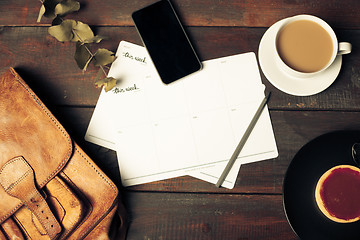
x=81, y=33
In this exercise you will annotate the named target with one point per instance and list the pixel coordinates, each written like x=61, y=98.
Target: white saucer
x=286, y=83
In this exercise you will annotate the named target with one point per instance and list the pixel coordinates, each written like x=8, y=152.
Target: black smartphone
x=166, y=41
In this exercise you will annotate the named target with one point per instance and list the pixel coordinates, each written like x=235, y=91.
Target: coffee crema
x=337, y=194
x=304, y=46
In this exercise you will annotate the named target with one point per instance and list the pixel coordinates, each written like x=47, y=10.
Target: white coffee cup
x=338, y=48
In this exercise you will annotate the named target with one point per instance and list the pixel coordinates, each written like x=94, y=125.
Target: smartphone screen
x=166, y=41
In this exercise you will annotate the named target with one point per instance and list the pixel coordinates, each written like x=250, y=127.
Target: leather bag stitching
x=38, y=101
x=99, y=219
x=61, y=165
x=19, y=180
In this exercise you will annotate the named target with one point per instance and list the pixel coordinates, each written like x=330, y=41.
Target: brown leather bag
x=50, y=189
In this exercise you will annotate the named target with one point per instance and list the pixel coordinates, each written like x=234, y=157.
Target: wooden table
x=186, y=208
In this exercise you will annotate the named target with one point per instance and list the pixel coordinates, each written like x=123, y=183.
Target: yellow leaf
x=67, y=7
x=63, y=32
x=82, y=32
x=108, y=83
x=103, y=57
x=41, y=13
x=82, y=56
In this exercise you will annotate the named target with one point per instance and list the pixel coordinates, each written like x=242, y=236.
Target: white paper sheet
x=189, y=127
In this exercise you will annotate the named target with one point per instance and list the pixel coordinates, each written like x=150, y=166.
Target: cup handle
x=355, y=152
x=344, y=48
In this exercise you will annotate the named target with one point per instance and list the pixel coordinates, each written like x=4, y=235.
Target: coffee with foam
x=305, y=46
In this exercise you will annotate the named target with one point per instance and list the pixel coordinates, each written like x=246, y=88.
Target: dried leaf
x=64, y=31
x=99, y=75
x=82, y=32
x=82, y=56
x=108, y=83
x=66, y=7
x=41, y=13
x=95, y=39
x=50, y=8
x=57, y=21
x=103, y=57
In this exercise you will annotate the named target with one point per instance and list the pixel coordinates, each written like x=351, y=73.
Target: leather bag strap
x=17, y=178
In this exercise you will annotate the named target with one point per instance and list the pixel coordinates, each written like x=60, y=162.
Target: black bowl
x=312, y=160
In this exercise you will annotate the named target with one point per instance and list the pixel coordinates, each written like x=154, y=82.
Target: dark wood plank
x=293, y=129
x=206, y=216
x=184, y=207
x=255, y=13
x=49, y=67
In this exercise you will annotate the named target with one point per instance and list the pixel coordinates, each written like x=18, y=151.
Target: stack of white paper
x=189, y=127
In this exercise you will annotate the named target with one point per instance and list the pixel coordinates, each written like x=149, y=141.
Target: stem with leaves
x=81, y=33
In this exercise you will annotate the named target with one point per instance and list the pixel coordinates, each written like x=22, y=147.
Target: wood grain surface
x=184, y=207
x=56, y=70
x=248, y=13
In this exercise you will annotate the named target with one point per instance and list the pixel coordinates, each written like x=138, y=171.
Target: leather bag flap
x=29, y=130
